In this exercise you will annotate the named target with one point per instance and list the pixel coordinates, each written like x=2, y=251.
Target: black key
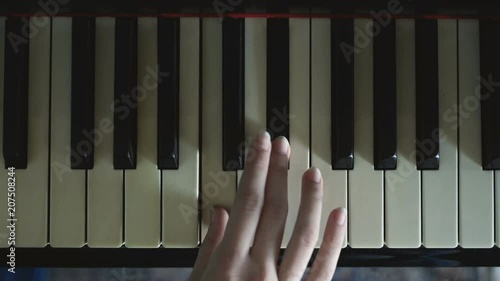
x=168, y=94
x=427, y=94
x=278, y=68
x=125, y=115
x=233, y=92
x=342, y=99
x=82, y=93
x=490, y=93
x=384, y=98
x=15, y=118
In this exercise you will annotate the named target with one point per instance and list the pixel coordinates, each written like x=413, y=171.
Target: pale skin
x=245, y=245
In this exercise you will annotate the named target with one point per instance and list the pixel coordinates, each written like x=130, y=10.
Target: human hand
x=259, y=214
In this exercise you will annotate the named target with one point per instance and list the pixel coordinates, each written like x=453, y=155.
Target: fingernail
x=282, y=145
x=263, y=140
x=212, y=215
x=314, y=175
x=341, y=216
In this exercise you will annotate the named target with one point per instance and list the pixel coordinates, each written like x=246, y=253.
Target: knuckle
x=224, y=275
x=312, y=192
x=308, y=238
x=210, y=241
x=278, y=171
x=292, y=274
x=261, y=275
x=333, y=242
x=324, y=273
x=259, y=159
x=337, y=243
x=276, y=211
x=251, y=201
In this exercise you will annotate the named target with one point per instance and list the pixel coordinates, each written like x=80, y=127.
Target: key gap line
x=161, y=208
x=348, y=232
x=123, y=207
x=200, y=129
x=86, y=206
x=385, y=208
x=421, y=186
x=49, y=134
x=458, y=133
x=310, y=93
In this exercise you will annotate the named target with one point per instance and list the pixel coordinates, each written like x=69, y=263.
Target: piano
x=123, y=123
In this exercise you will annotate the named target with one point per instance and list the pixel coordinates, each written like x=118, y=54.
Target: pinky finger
x=326, y=261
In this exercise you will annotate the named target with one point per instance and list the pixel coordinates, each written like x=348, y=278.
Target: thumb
x=215, y=233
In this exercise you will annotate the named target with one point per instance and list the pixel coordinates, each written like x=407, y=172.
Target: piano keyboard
x=127, y=131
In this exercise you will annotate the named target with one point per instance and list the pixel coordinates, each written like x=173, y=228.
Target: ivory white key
x=475, y=185
x=180, y=187
x=299, y=118
x=334, y=181
x=402, y=186
x=218, y=186
x=255, y=78
x=142, y=185
x=440, y=187
x=366, y=186
x=105, y=184
x=67, y=187
x=32, y=183
x=4, y=232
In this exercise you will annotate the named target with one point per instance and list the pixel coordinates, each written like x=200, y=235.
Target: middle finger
x=272, y=220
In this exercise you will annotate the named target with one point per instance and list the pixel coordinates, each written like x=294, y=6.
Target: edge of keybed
x=162, y=257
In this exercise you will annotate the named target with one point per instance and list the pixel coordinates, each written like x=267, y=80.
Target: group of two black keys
x=233, y=115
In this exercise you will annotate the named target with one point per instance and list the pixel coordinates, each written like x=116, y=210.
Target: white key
x=105, y=184
x=299, y=118
x=218, y=186
x=180, y=187
x=142, y=185
x=4, y=232
x=334, y=181
x=67, y=187
x=402, y=186
x=440, y=187
x=255, y=78
x=366, y=186
x=32, y=183
x=475, y=185
x=497, y=206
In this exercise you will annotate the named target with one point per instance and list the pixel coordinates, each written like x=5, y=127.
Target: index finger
x=326, y=261
x=247, y=206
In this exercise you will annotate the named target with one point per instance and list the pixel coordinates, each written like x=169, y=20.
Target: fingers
x=218, y=222
x=249, y=199
x=305, y=233
x=272, y=220
x=326, y=261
